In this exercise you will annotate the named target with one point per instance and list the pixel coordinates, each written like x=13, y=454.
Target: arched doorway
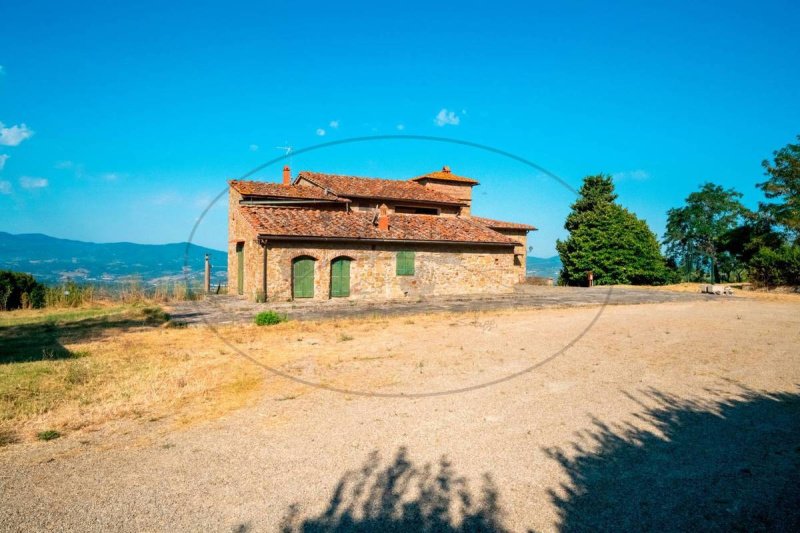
x=340, y=277
x=303, y=277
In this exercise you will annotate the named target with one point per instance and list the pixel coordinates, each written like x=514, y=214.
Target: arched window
x=340, y=277
x=303, y=277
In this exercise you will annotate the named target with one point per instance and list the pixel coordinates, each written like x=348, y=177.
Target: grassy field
x=66, y=369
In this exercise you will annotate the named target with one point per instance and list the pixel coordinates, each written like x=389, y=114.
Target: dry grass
x=67, y=370
x=73, y=369
x=783, y=294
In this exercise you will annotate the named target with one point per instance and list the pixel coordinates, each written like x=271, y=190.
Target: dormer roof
x=445, y=175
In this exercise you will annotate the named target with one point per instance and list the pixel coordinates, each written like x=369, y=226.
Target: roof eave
x=465, y=181
x=356, y=239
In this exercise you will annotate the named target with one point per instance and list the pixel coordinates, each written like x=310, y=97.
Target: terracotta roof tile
x=352, y=186
x=499, y=224
x=279, y=190
x=445, y=175
x=310, y=223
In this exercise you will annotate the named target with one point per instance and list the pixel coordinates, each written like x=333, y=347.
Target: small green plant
x=50, y=434
x=77, y=374
x=344, y=337
x=155, y=315
x=269, y=318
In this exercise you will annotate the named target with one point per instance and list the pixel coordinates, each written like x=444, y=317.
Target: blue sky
x=121, y=122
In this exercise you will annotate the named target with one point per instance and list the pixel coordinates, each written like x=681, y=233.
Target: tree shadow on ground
x=727, y=465
x=45, y=340
x=403, y=497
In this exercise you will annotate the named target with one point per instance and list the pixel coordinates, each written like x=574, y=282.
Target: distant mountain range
x=544, y=267
x=53, y=260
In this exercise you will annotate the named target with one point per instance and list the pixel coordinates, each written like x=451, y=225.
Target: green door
x=340, y=278
x=303, y=278
x=240, y=267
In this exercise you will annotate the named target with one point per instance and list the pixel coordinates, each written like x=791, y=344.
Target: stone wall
x=459, y=191
x=439, y=270
x=239, y=230
x=520, y=251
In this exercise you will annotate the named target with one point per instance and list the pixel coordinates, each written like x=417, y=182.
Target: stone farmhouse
x=324, y=236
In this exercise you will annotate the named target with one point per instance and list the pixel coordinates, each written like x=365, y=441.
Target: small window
x=405, y=263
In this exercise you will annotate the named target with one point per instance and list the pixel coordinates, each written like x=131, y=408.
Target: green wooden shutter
x=303, y=278
x=340, y=278
x=405, y=263
x=240, y=267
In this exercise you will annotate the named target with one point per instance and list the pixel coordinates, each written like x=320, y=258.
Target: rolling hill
x=53, y=260
x=545, y=267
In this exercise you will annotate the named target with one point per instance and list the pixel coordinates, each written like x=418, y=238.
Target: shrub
x=268, y=318
x=70, y=294
x=50, y=434
x=19, y=290
x=772, y=267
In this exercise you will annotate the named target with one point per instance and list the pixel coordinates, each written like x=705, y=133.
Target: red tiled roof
x=360, y=225
x=445, y=175
x=352, y=186
x=278, y=190
x=499, y=224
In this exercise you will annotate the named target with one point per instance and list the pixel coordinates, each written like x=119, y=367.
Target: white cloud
x=446, y=118
x=3, y=158
x=14, y=135
x=28, y=182
x=635, y=175
x=254, y=148
x=401, y=127
x=5, y=187
x=166, y=198
x=320, y=132
x=334, y=124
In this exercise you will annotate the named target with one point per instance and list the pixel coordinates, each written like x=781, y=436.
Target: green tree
x=18, y=290
x=783, y=184
x=608, y=240
x=697, y=233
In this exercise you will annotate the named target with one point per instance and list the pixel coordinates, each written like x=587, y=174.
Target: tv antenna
x=288, y=149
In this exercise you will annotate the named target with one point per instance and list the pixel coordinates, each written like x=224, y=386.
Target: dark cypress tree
x=610, y=241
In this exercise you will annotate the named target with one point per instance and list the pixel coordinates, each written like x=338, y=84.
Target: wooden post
x=590, y=277
x=207, y=276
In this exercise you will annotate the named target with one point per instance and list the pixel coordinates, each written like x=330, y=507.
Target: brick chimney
x=287, y=175
x=383, y=218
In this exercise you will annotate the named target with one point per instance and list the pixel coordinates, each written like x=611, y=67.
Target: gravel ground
x=233, y=309
x=662, y=417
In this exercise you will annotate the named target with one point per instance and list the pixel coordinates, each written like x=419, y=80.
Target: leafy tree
x=608, y=240
x=781, y=266
x=697, y=233
x=20, y=290
x=783, y=183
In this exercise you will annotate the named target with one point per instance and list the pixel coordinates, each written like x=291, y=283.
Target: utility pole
x=207, y=276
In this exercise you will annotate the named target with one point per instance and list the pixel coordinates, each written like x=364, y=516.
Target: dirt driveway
x=663, y=417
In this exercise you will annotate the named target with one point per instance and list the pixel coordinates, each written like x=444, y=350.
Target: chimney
x=446, y=169
x=383, y=218
x=287, y=175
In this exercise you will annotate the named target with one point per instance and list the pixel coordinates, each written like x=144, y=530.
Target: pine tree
x=608, y=240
